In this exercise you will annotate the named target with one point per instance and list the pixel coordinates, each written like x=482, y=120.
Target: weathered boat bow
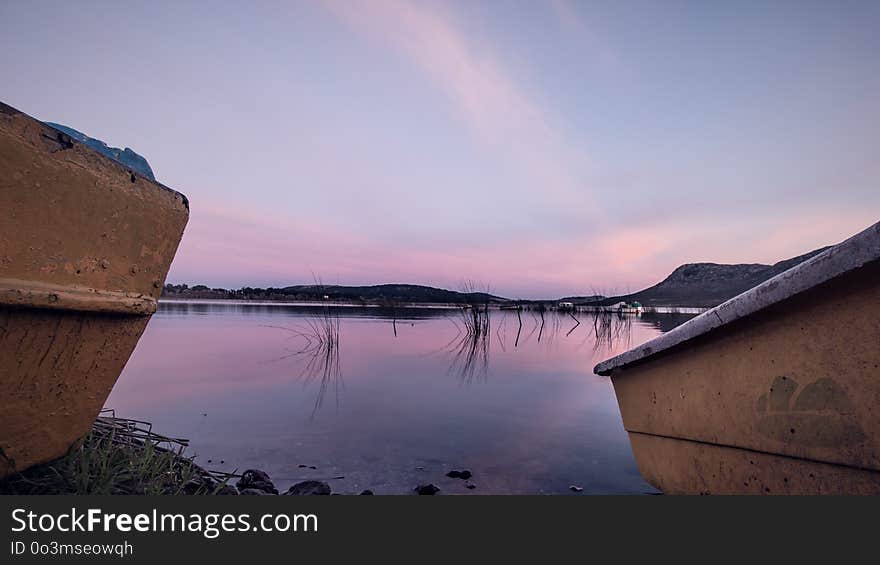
x=85, y=246
x=775, y=391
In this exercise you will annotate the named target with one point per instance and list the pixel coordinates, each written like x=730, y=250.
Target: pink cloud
x=230, y=244
x=226, y=245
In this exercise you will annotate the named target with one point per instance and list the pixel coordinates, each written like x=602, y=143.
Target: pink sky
x=544, y=149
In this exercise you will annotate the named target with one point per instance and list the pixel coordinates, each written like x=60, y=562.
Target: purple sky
x=543, y=148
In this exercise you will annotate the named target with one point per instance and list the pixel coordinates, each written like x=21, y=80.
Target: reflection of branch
x=470, y=347
x=470, y=357
x=576, y=324
x=320, y=352
x=500, y=333
x=534, y=327
x=541, y=331
x=519, y=328
x=611, y=328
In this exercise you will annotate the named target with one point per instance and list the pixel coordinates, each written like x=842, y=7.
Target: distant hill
x=390, y=292
x=707, y=284
x=693, y=284
x=125, y=157
x=382, y=293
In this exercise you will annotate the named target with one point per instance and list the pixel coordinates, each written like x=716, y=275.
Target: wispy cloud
x=502, y=114
x=586, y=35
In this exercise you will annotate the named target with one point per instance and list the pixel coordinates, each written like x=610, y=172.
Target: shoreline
x=122, y=456
x=437, y=306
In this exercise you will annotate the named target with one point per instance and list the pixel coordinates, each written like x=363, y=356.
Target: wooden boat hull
x=85, y=246
x=786, y=400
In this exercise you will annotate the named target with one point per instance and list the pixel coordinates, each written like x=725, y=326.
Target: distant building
x=566, y=305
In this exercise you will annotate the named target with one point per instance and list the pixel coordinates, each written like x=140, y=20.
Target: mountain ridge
x=690, y=285
x=708, y=284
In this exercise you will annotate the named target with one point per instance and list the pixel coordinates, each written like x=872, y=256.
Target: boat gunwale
x=12, y=111
x=17, y=293
x=849, y=255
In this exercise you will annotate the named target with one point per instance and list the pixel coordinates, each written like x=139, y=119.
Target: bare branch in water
x=392, y=306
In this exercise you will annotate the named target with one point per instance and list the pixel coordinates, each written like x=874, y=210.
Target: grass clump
x=119, y=456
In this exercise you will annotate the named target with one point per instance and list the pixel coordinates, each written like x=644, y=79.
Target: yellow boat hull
x=85, y=246
x=784, y=401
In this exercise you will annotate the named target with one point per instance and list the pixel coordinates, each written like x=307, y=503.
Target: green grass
x=119, y=456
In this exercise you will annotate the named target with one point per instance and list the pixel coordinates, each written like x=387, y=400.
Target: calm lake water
x=252, y=387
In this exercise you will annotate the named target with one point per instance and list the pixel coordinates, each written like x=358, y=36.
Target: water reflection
x=469, y=349
x=296, y=310
x=611, y=329
x=253, y=384
x=468, y=352
x=318, y=351
x=666, y=322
